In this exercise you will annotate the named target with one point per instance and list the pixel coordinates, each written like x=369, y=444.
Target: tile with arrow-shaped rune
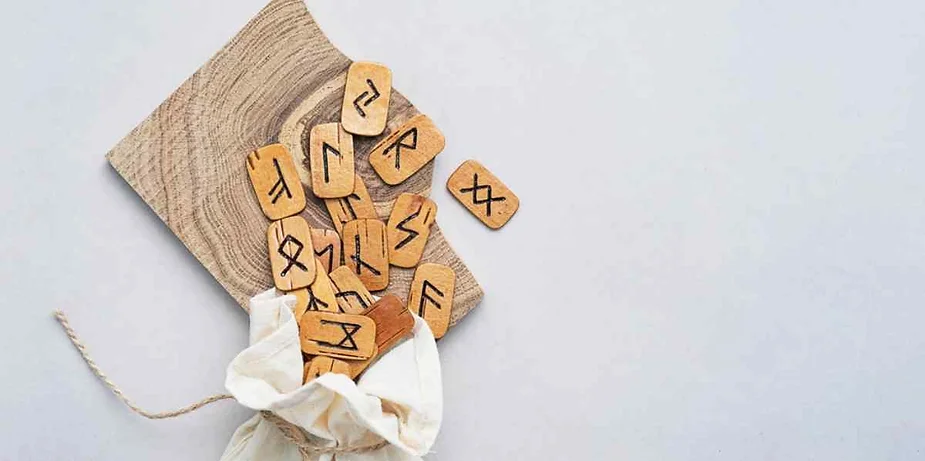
x=408, y=228
x=407, y=150
x=331, y=160
x=483, y=194
x=431, y=295
x=366, y=98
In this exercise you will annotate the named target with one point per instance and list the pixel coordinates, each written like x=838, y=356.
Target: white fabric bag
x=399, y=398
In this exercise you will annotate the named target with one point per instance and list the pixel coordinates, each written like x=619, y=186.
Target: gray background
x=719, y=252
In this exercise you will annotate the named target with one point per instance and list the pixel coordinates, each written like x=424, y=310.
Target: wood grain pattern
x=331, y=157
x=483, y=194
x=341, y=336
x=431, y=290
x=271, y=83
x=393, y=321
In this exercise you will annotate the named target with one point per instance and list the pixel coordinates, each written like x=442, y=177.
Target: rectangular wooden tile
x=320, y=365
x=357, y=205
x=352, y=296
x=327, y=248
x=357, y=367
x=408, y=228
x=291, y=256
x=276, y=181
x=331, y=160
x=341, y=336
x=320, y=294
x=407, y=150
x=366, y=98
x=431, y=295
x=393, y=321
x=483, y=194
x=366, y=252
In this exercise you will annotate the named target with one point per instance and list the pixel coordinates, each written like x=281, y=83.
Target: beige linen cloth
x=398, y=399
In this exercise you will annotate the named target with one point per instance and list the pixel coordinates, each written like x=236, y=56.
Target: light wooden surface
x=408, y=228
x=393, y=321
x=408, y=149
x=431, y=292
x=366, y=252
x=352, y=296
x=366, y=98
x=320, y=365
x=483, y=194
x=327, y=247
x=272, y=82
x=321, y=292
x=344, y=336
x=292, y=260
x=275, y=180
x=330, y=155
x=357, y=205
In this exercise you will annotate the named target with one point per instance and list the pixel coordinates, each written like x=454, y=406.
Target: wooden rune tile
x=357, y=205
x=291, y=257
x=321, y=292
x=271, y=83
x=331, y=159
x=320, y=365
x=393, y=321
x=352, y=296
x=275, y=181
x=408, y=228
x=327, y=248
x=431, y=295
x=366, y=252
x=357, y=367
x=483, y=194
x=366, y=98
x=341, y=336
x=406, y=150
x=301, y=302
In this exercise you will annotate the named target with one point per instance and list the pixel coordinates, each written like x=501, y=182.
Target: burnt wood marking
x=349, y=330
x=426, y=297
x=375, y=96
x=476, y=187
x=291, y=259
x=280, y=183
x=399, y=143
x=357, y=259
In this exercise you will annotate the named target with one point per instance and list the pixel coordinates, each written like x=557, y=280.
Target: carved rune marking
x=325, y=150
x=345, y=294
x=349, y=330
x=476, y=187
x=280, y=184
x=291, y=259
x=426, y=297
x=357, y=259
x=400, y=142
x=348, y=207
x=375, y=96
x=313, y=302
x=330, y=251
x=411, y=232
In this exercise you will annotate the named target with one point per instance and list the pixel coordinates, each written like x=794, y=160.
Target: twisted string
x=72, y=335
x=293, y=433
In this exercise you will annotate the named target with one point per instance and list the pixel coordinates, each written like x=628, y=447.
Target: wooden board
x=271, y=83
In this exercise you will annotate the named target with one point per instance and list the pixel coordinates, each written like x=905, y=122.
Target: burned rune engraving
x=313, y=302
x=426, y=297
x=280, y=184
x=400, y=143
x=349, y=329
x=476, y=187
x=373, y=97
x=330, y=251
x=293, y=258
x=354, y=294
x=357, y=259
x=325, y=150
x=411, y=232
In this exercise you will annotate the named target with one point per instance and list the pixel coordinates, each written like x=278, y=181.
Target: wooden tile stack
x=331, y=272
